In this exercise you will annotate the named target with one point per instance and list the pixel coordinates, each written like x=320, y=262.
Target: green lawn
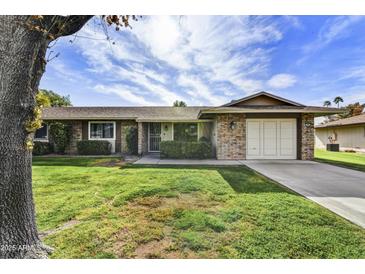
x=345, y=159
x=107, y=211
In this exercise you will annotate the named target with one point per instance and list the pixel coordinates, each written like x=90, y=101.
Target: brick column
x=140, y=138
x=76, y=135
x=231, y=143
x=307, y=150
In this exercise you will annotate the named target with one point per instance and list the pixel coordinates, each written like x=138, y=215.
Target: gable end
x=262, y=99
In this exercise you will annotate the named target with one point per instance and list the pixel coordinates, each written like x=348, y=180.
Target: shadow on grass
x=240, y=178
x=73, y=161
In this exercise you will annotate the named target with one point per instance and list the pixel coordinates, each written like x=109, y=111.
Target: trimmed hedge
x=94, y=147
x=42, y=148
x=185, y=150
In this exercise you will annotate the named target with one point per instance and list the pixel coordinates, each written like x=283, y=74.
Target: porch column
x=76, y=135
x=231, y=142
x=307, y=149
x=140, y=138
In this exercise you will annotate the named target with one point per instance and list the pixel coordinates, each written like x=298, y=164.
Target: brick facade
x=307, y=131
x=76, y=135
x=231, y=143
x=142, y=138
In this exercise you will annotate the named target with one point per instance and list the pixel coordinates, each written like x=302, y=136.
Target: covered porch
x=152, y=133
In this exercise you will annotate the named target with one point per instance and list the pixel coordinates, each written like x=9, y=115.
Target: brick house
x=259, y=126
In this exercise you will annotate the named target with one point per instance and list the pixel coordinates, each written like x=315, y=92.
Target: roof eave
x=87, y=118
x=174, y=120
x=260, y=94
x=319, y=112
x=339, y=125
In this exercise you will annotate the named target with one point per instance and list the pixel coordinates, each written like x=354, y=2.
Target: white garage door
x=271, y=139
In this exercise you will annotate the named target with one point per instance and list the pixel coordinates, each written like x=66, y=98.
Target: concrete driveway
x=341, y=190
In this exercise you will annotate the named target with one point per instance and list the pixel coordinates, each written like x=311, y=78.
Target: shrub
x=41, y=148
x=94, y=147
x=204, y=139
x=171, y=149
x=60, y=134
x=132, y=140
x=185, y=150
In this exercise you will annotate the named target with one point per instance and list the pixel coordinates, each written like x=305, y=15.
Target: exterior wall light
x=307, y=123
x=232, y=125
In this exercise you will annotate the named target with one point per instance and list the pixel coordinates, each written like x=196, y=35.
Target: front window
x=186, y=132
x=104, y=130
x=41, y=133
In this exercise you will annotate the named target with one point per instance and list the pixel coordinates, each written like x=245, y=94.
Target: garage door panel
x=287, y=138
x=253, y=138
x=286, y=129
x=253, y=148
x=271, y=139
x=253, y=128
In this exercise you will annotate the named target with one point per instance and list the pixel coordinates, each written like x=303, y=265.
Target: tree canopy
x=178, y=103
x=338, y=100
x=353, y=110
x=327, y=103
x=55, y=100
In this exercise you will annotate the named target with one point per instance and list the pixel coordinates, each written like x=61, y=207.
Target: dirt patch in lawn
x=150, y=233
x=66, y=225
x=110, y=163
x=185, y=200
x=154, y=249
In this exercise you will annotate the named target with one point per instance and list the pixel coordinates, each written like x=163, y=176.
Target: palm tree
x=338, y=100
x=179, y=104
x=326, y=103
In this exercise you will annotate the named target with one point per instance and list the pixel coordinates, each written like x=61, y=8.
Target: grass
x=107, y=211
x=345, y=159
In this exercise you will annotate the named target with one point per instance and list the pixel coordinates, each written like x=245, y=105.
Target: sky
x=210, y=60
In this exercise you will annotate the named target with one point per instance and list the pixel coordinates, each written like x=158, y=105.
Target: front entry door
x=271, y=139
x=154, y=133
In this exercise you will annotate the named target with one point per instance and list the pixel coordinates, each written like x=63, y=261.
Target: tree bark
x=22, y=63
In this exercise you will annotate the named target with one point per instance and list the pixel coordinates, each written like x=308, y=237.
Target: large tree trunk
x=22, y=55
x=22, y=63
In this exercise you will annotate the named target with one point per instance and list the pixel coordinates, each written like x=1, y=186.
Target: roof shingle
x=122, y=113
x=359, y=119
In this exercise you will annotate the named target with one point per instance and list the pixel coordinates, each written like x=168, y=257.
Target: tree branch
x=65, y=25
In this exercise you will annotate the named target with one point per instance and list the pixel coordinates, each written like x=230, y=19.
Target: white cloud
x=68, y=73
x=125, y=93
x=334, y=29
x=210, y=43
x=354, y=73
x=282, y=81
x=294, y=21
x=148, y=87
x=355, y=94
x=164, y=38
x=172, y=58
x=197, y=89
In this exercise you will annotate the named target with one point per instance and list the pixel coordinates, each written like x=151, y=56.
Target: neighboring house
x=349, y=133
x=260, y=126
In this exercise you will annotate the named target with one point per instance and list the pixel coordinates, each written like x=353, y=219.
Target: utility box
x=333, y=147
